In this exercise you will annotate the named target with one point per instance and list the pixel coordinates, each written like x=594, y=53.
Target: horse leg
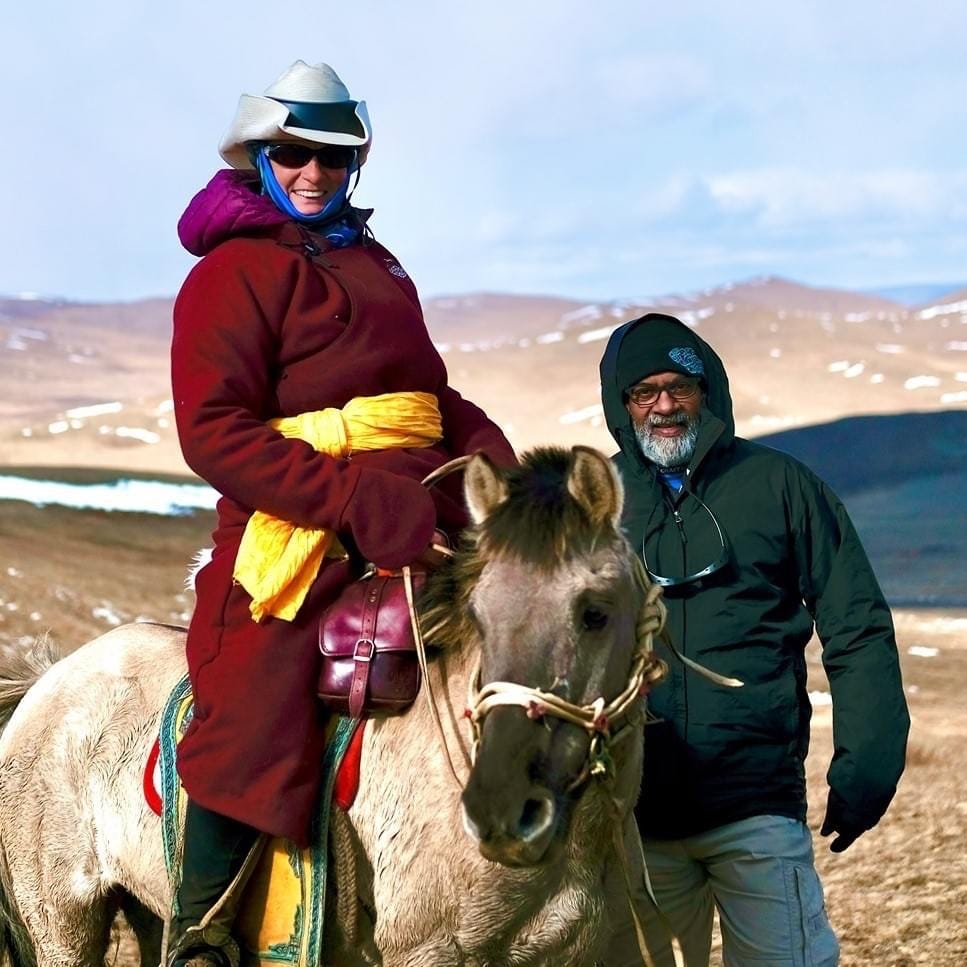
x=146, y=926
x=76, y=937
x=55, y=894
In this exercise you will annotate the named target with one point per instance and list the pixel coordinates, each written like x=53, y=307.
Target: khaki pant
x=759, y=874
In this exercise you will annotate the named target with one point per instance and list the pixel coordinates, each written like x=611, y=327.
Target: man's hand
x=838, y=821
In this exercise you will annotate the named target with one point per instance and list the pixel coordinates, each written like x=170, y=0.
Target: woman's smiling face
x=309, y=187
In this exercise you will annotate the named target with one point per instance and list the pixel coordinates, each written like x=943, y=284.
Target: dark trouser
x=215, y=847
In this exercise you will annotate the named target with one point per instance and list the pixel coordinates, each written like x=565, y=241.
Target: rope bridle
x=606, y=722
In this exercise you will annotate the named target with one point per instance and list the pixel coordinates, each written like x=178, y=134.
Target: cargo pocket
x=813, y=942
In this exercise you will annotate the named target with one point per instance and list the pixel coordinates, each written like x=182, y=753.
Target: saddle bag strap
x=365, y=650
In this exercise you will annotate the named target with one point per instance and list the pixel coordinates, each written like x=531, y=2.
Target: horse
x=480, y=847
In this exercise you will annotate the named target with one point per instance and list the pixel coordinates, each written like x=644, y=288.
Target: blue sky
x=529, y=147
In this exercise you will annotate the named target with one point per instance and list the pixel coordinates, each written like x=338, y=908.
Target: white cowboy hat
x=307, y=103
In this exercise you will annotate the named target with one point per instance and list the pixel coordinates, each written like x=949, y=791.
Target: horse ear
x=594, y=483
x=484, y=487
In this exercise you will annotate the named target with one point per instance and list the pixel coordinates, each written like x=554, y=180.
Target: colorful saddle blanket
x=280, y=918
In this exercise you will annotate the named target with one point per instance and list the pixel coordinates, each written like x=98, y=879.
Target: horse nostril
x=536, y=818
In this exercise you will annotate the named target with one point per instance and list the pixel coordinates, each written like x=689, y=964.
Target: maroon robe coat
x=264, y=328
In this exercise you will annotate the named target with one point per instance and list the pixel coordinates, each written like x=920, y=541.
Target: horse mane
x=538, y=523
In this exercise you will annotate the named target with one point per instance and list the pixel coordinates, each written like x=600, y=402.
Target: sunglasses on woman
x=290, y=155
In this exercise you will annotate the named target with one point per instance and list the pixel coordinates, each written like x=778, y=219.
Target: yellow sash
x=278, y=560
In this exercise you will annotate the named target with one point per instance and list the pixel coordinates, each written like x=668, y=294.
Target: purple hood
x=230, y=204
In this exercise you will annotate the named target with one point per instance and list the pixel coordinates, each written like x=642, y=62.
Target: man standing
x=752, y=550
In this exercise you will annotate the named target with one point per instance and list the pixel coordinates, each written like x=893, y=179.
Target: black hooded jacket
x=722, y=754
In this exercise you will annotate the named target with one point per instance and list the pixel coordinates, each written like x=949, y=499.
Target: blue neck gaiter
x=335, y=221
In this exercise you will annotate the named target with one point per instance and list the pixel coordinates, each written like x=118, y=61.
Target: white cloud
x=786, y=196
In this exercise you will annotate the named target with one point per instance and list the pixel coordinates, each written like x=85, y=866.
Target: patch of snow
x=957, y=346
x=959, y=397
x=759, y=420
x=840, y=366
x=442, y=347
x=138, y=433
x=26, y=431
x=14, y=572
x=163, y=423
x=877, y=378
x=58, y=426
x=921, y=382
x=74, y=358
x=946, y=309
x=922, y=651
x=579, y=416
x=854, y=370
x=35, y=616
x=523, y=343
x=857, y=316
x=17, y=344
x=775, y=352
x=584, y=314
x=96, y=409
x=692, y=317
x=143, y=496
x=165, y=406
x=594, y=335
x=106, y=613
x=76, y=424
x=890, y=347
x=36, y=334
x=960, y=377
x=549, y=337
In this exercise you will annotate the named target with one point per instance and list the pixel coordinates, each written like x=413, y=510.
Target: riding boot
x=218, y=856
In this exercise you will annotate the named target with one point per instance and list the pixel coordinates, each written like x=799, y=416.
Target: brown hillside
x=795, y=355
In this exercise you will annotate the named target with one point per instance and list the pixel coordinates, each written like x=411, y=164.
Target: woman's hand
x=390, y=518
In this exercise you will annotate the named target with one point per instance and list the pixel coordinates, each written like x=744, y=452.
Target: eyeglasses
x=291, y=155
x=645, y=394
x=720, y=561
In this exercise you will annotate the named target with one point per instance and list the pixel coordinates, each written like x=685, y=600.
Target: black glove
x=840, y=820
x=391, y=518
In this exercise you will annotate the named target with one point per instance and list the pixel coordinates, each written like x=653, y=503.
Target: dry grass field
x=897, y=898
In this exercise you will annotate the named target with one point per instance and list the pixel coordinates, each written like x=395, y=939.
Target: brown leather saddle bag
x=367, y=636
x=369, y=660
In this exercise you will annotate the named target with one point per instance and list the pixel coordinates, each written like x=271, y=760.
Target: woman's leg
x=217, y=856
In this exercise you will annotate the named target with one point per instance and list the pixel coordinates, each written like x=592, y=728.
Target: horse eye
x=593, y=620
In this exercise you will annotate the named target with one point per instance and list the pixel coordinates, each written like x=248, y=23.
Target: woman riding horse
x=308, y=392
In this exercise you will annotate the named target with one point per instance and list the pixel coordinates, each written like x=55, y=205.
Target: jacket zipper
x=680, y=524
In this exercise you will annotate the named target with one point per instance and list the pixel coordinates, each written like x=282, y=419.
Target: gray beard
x=675, y=452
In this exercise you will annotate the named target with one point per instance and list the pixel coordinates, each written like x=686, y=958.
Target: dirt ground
x=897, y=897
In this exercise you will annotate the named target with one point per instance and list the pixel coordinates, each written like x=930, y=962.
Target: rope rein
x=601, y=718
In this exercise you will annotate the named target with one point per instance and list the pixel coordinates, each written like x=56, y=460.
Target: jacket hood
x=717, y=402
x=230, y=204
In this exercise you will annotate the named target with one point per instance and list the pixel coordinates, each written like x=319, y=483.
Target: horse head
x=553, y=594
